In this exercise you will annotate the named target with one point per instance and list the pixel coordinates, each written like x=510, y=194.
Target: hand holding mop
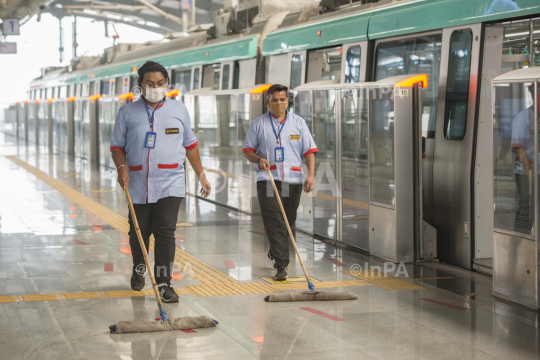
x=164, y=324
x=311, y=295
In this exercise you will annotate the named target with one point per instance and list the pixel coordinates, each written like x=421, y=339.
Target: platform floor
x=57, y=244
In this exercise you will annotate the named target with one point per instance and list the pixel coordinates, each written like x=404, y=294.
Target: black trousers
x=274, y=224
x=159, y=219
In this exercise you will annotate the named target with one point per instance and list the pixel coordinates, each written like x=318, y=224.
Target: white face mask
x=155, y=94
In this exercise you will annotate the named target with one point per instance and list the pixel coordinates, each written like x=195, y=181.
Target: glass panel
x=107, y=116
x=208, y=138
x=354, y=168
x=196, y=78
x=222, y=155
x=352, y=64
x=63, y=92
x=302, y=108
x=85, y=129
x=60, y=126
x=457, y=86
x=421, y=55
x=244, y=167
x=183, y=81
x=226, y=79
x=513, y=156
x=324, y=129
x=31, y=122
x=78, y=128
x=43, y=124
x=381, y=148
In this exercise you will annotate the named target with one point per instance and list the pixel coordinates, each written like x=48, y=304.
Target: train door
x=353, y=150
x=454, y=144
x=417, y=54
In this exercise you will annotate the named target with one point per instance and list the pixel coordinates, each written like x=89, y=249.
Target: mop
x=163, y=324
x=312, y=294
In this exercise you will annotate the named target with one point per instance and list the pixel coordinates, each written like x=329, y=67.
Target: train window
x=182, y=80
x=352, y=64
x=296, y=77
x=324, y=64
x=112, y=86
x=296, y=71
x=226, y=78
x=62, y=93
x=105, y=88
x=457, y=86
x=217, y=70
x=85, y=91
x=420, y=55
x=196, y=78
x=236, y=75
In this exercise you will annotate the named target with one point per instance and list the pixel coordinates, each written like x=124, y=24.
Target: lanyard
x=151, y=116
x=281, y=127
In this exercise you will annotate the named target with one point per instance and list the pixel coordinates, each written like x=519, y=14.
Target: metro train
x=462, y=45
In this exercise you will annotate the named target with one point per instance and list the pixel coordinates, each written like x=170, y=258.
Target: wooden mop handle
x=287, y=223
x=143, y=247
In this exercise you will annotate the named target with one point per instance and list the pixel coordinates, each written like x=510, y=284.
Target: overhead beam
x=155, y=19
x=128, y=5
x=59, y=13
x=163, y=13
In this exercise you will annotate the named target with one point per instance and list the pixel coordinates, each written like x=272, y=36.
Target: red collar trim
x=160, y=105
x=275, y=117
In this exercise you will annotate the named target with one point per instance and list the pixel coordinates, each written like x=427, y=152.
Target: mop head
x=185, y=323
x=311, y=296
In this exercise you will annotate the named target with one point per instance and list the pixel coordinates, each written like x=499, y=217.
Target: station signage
x=8, y=48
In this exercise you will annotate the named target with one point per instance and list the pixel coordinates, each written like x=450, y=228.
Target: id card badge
x=150, y=141
x=280, y=154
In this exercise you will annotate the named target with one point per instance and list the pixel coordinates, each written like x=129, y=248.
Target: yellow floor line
x=102, y=191
x=291, y=280
x=184, y=261
x=387, y=282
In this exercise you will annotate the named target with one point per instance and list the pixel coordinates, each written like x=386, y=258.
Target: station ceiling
x=160, y=16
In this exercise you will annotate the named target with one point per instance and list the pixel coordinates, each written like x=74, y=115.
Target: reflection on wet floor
x=51, y=245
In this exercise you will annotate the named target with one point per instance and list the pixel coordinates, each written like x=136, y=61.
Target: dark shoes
x=137, y=281
x=167, y=293
x=281, y=274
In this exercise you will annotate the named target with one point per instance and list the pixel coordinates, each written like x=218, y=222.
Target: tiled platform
x=51, y=244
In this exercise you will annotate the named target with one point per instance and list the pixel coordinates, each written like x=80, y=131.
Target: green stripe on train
x=244, y=48
x=393, y=20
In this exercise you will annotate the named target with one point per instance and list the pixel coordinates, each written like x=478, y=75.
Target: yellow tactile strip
x=231, y=289
x=198, y=270
x=386, y=282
